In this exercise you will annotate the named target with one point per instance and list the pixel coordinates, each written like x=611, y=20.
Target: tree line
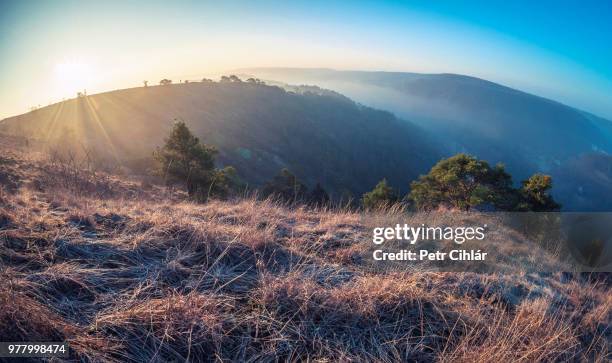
x=224, y=79
x=463, y=182
x=460, y=182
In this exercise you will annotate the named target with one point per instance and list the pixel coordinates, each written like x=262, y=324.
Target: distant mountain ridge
x=451, y=103
x=466, y=114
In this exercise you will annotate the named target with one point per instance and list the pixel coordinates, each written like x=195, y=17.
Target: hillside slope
x=525, y=132
x=321, y=137
x=535, y=127
x=141, y=277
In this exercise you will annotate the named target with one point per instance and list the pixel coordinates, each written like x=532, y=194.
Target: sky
x=49, y=50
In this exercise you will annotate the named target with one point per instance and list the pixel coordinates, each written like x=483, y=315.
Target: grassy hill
x=320, y=136
x=127, y=272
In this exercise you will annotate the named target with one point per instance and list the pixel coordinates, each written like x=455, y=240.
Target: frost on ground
x=125, y=272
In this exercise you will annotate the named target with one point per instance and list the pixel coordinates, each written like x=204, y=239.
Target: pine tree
x=463, y=182
x=185, y=160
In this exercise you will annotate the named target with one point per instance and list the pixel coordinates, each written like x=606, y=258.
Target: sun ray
x=91, y=109
x=52, y=124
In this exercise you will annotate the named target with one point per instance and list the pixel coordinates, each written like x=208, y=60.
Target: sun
x=73, y=76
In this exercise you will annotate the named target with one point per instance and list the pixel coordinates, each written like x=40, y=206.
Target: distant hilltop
x=319, y=135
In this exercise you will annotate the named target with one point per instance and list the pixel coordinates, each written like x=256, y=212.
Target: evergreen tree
x=380, y=197
x=463, y=182
x=183, y=159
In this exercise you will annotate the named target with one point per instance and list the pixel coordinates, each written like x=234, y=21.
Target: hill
x=586, y=181
x=125, y=274
x=320, y=136
x=525, y=132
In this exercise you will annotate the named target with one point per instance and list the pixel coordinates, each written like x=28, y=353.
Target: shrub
x=286, y=187
x=225, y=182
x=381, y=196
x=318, y=196
x=535, y=195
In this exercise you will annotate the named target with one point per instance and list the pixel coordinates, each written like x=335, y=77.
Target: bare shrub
x=78, y=173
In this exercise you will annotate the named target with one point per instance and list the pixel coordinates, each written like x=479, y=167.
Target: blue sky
x=51, y=49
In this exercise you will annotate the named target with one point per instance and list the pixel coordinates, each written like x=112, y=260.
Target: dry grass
x=147, y=277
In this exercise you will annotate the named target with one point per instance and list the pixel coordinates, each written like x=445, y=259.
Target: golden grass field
x=127, y=271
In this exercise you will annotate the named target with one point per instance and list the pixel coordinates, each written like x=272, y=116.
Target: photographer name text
x=412, y=235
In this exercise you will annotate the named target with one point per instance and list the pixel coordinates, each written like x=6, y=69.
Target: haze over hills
x=465, y=114
x=323, y=136
x=320, y=136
